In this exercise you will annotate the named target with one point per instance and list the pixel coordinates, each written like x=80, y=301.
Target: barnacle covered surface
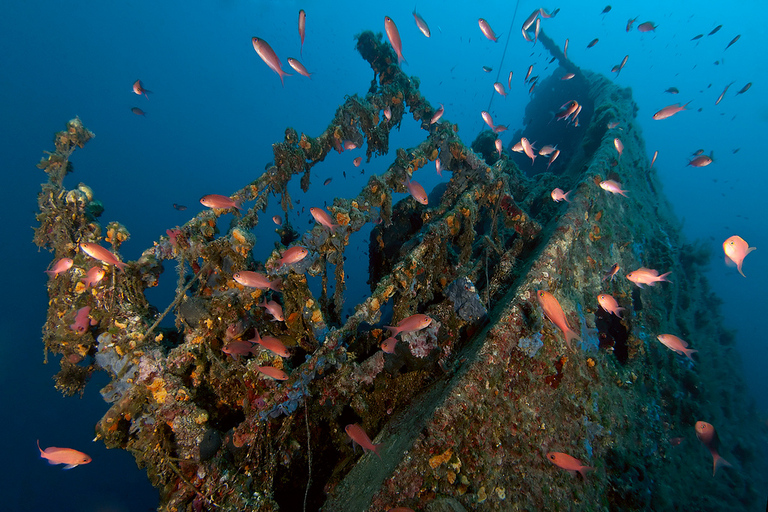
x=467, y=409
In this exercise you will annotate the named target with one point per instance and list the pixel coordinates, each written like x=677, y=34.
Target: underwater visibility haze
x=506, y=248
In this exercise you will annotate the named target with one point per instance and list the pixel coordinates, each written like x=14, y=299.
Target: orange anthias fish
x=421, y=24
x=736, y=249
x=619, y=146
x=412, y=323
x=558, y=195
x=416, y=191
x=275, y=309
x=499, y=88
x=359, y=436
x=676, y=344
x=322, y=218
x=101, y=254
x=608, y=303
x=568, y=463
x=611, y=273
x=269, y=57
x=72, y=458
x=394, y=38
x=292, y=255
x=93, y=276
x=219, y=201
x=272, y=344
x=555, y=314
x=486, y=29
x=669, y=111
x=139, y=89
x=272, y=372
x=299, y=67
x=708, y=436
x=257, y=280
x=302, y=28
x=388, y=345
x=613, y=187
x=488, y=119
x=647, y=276
x=437, y=115
x=60, y=266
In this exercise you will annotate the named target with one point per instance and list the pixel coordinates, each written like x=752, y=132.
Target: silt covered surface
x=465, y=410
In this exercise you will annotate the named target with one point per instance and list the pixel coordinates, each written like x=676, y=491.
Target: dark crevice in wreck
x=465, y=409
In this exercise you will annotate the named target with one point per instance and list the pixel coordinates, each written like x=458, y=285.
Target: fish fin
x=41, y=450
x=121, y=265
x=51, y=462
x=750, y=250
x=584, y=469
x=688, y=352
x=663, y=277
x=719, y=462
x=69, y=466
x=739, y=269
x=375, y=449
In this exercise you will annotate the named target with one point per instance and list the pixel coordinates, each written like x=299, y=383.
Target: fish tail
x=276, y=285
x=375, y=449
x=42, y=454
x=717, y=463
x=584, y=469
x=394, y=330
x=570, y=336
x=663, y=277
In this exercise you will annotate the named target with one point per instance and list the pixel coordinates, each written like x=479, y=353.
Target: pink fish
x=554, y=312
x=707, y=434
x=388, y=113
x=71, y=458
x=272, y=372
x=139, y=89
x=269, y=57
x=613, y=187
x=499, y=128
x=349, y=145
x=611, y=273
x=488, y=119
x=439, y=167
x=421, y=24
x=93, y=276
x=438, y=114
x=499, y=87
x=412, y=323
x=359, y=436
x=322, y=218
x=736, y=249
x=237, y=348
x=546, y=150
x=277, y=220
x=302, y=28
x=653, y=160
x=528, y=149
x=647, y=276
x=565, y=49
x=669, y=111
x=388, y=345
x=416, y=191
x=499, y=146
x=219, y=201
x=357, y=161
x=82, y=320
x=394, y=38
x=619, y=146
x=568, y=463
x=101, y=254
x=567, y=76
x=531, y=19
x=292, y=255
x=558, y=195
x=553, y=157
x=61, y=265
x=275, y=309
x=609, y=304
x=299, y=67
x=257, y=280
x=675, y=344
x=486, y=29
x=272, y=344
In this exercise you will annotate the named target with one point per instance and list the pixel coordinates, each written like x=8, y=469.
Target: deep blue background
x=217, y=108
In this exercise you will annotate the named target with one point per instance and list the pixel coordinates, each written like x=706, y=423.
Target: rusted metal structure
x=466, y=409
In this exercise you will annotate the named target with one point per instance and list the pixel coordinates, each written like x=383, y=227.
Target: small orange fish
x=388, y=345
x=412, y=323
x=554, y=312
x=708, y=436
x=438, y=114
x=293, y=255
x=647, y=276
x=93, y=276
x=669, y=111
x=486, y=29
x=613, y=187
x=499, y=146
x=219, y=201
x=72, y=458
x=237, y=348
x=488, y=119
x=357, y=161
x=257, y=280
x=322, y=218
x=619, y=146
x=388, y=113
x=653, y=160
x=394, y=38
x=277, y=220
x=299, y=67
x=676, y=344
x=553, y=157
x=359, y=436
x=736, y=249
x=275, y=309
x=302, y=28
x=611, y=273
x=101, y=254
x=272, y=344
x=499, y=88
x=568, y=463
x=558, y=195
x=273, y=373
x=439, y=167
x=416, y=191
x=528, y=149
x=609, y=304
x=269, y=57
x=61, y=265
x=139, y=89
x=567, y=76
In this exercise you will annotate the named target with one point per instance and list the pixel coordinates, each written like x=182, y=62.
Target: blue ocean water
x=216, y=108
